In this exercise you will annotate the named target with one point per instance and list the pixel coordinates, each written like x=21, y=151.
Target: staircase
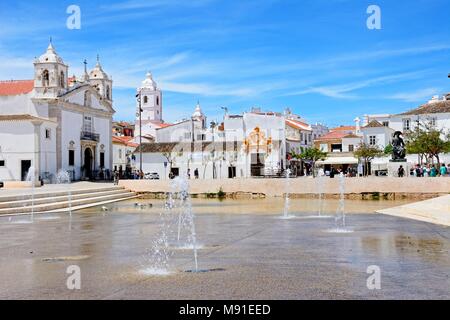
x=52, y=201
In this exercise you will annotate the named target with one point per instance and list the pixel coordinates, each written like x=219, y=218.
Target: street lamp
x=139, y=100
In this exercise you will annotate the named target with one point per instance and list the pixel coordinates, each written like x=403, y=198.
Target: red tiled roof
x=16, y=87
x=124, y=140
x=344, y=128
x=165, y=125
x=333, y=135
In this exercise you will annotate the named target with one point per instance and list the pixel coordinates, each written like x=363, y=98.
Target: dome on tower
x=50, y=56
x=97, y=72
x=198, y=112
x=149, y=82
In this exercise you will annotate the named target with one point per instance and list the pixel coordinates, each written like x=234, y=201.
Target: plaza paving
x=258, y=255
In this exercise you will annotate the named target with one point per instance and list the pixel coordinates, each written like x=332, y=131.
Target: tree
x=388, y=149
x=311, y=155
x=428, y=142
x=367, y=153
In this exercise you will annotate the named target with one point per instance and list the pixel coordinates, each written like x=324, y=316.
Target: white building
x=123, y=149
x=436, y=112
x=54, y=122
x=251, y=144
x=149, y=98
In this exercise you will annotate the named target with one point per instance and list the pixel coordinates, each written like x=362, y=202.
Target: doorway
x=231, y=172
x=257, y=165
x=88, y=160
x=25, y=166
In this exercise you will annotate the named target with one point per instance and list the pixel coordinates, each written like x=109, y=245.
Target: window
x=2, y=163
x=71, y=158
x=351, y=148
x=386, y=123
x=157, y=101
x=108, y=93
x=120, y=153
x=145, y=99
x=102, y=159
x=324, y=147
x=87, y=124
x=187, y=135
x=406, y=124
x=48, y=134
x=45, y=78
x=372, y=140
x=62, y=80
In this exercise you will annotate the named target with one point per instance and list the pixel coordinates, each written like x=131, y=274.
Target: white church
x=56, y=122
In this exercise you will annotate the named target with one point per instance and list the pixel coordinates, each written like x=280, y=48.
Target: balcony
x=90, y=136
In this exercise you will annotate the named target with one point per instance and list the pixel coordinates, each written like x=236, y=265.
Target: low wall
x=19, y=184
x=374, y=186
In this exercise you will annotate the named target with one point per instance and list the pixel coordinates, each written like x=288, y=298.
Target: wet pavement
x=253, y=254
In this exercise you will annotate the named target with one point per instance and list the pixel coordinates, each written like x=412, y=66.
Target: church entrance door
x=88, y=160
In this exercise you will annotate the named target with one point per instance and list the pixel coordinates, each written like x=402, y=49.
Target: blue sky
x=315, y=56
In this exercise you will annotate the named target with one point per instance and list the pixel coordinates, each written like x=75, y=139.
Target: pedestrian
x=443, y=170
x=425, y=171
x=196, y=175
x=401, y=172
x=433, y=172
x=189, y=173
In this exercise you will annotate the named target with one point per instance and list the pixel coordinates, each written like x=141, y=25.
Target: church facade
x=56, y=122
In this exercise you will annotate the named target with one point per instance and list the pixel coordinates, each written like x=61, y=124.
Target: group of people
x=431, y=170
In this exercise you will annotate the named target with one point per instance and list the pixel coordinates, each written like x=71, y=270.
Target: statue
x=399, y=150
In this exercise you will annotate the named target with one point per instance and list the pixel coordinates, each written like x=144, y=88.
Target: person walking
x=443, y=170
x=401, y=172
x=433, y=172
x=196, y=175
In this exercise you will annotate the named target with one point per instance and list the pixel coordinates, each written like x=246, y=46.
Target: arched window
x=157, y=101
x=145, y=99
x=62, y=80
x=108, y=93
x=45, y=78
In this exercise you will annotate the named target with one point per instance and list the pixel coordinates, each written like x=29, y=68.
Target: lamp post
x=138, y=96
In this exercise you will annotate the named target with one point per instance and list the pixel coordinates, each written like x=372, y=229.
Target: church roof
x=50, y=56
x=430, y=108
x=16, y=87
x=97, y=72
x=198, y=113
x=149, y=82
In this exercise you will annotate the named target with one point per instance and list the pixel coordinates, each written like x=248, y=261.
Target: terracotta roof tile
x=430, y=108
x=16, y=87
x=333, y=135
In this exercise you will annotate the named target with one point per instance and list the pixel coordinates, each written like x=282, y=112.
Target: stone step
x=27, y=201
x=49, y=193
x=89, y=199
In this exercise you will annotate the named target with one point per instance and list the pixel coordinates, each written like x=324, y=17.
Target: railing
x=90, y=136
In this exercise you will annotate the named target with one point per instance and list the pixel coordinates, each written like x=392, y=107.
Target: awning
x=338, y=160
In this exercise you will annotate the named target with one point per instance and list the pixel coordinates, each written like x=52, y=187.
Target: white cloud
x=415, y=96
